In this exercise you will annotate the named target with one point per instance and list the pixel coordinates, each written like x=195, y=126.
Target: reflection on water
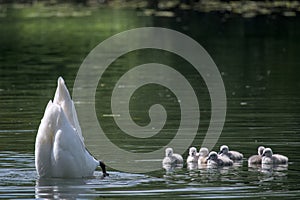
x=193, y=166
x=81, y=188
x=259, y=62
x=172, y=167
x=61, y=189
x=19, y=180
x=270, y=170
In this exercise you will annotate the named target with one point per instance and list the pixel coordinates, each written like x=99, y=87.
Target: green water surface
x=258, y=59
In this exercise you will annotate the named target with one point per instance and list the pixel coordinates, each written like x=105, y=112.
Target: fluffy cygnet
x=203, y=155
x=269, y=158
x=193, y=156
x=172, y=158
x=233, y=155
x=256, y=159
x=216, y=160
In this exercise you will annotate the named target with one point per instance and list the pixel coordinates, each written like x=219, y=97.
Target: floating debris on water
x=243, y=103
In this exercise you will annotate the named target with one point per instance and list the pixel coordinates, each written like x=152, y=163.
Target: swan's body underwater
x=59, y=147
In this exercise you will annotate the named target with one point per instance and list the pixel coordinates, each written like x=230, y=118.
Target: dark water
x=259, y=62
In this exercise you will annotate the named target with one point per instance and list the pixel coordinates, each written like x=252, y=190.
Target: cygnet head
x=192, y=151
x=203, y=152
x=212, y=156
x=169, y=152
x=267, y=152
x=224, y=149
x=260, y=150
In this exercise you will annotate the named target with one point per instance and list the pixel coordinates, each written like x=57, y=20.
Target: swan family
x=60, y=151
x=225, y=157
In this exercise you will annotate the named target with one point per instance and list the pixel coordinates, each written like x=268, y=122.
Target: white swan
x=172, y=158
x=233, y=155
x=193, y=156
x=256, y=159
x=215, y=160
x=269, y=158
x=203, y=155
x=59, y=147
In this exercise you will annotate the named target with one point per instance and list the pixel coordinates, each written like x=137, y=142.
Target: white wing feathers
x=63, y=98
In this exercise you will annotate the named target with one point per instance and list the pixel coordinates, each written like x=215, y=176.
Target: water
x=258, y=59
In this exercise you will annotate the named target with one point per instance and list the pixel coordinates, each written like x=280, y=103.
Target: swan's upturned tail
x=59, y=147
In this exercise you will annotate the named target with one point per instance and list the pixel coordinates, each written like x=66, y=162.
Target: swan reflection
x=50, y=188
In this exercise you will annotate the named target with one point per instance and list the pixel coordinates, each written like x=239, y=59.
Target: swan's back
x=178, y=158
x=255, y=159
x=59, y=152
x=234, y=155
x=281, y=157
x=226, y=161
x=59, y=148
x=44, y=140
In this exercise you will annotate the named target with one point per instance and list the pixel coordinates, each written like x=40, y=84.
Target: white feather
x=59, y=147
